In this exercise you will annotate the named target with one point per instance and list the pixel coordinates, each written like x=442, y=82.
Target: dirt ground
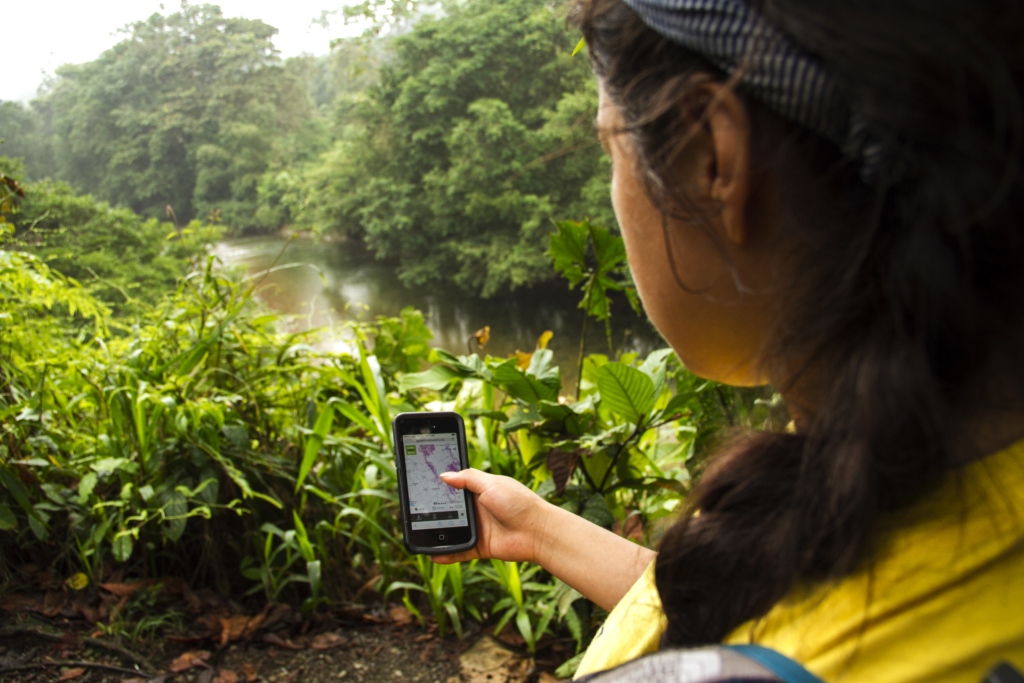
x=32, y=651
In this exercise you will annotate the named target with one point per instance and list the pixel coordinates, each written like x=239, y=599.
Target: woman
x=826, y=196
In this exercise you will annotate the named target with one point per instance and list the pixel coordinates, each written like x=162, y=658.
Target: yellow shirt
x=943, y=602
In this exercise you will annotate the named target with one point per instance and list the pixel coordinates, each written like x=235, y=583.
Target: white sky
x=40, y=35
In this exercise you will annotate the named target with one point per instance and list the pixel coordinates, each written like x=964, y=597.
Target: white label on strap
x=701, y=666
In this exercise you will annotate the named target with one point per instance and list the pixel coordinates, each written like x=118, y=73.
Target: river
x=321, y=284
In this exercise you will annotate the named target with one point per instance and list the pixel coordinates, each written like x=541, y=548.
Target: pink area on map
x=453, y=466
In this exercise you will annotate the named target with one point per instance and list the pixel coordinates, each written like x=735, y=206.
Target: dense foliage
x=195, y=441
x=448, y=149
x=125, y=261
x=156, y=423
x=478, y=134
x=184, y=115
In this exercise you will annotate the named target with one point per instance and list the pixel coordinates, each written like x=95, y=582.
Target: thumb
x=471, y=479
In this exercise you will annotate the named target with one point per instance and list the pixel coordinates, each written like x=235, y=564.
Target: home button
x=441, y=537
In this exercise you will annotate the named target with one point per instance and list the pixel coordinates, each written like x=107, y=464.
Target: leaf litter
x=61, y=632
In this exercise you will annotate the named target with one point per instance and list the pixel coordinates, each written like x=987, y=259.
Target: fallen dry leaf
x=53, y=602
x=275, y=612
x=488, y=661
x=21, y=603
x=325, y=641
x=400, y=615
x=249, y=671
x=134, y=679
x=81, y=606
x=241, y=626
x=226, y=676
x=274, y=639
x=72, y=673
x=190, y=659
x=123, y=590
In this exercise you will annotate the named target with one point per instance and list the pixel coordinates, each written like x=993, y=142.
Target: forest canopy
x=448, y=148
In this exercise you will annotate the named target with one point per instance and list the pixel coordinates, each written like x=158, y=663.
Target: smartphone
x=436, y=518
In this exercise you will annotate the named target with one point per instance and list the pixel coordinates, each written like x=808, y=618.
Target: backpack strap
x=782, y=666
x=713, y=664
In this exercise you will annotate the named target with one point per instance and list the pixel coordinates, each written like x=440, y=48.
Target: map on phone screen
x=432, y=503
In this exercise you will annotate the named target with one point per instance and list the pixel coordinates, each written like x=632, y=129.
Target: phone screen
x=432, y=503
x=436, y=518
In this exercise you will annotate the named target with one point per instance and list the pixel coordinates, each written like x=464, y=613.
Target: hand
x=510, y=517
x=515, y=524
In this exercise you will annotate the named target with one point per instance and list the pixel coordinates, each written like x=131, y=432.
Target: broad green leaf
x=628, y=392
x=521, y=386
x=654, y=366
x=436, y=378
x=609, y=249
x=568, y=249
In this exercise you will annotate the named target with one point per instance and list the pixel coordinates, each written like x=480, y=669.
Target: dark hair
x=909, y=294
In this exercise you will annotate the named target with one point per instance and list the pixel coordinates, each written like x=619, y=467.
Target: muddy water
x=324, y=285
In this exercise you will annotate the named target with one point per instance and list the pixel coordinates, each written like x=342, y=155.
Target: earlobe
x=729, y=127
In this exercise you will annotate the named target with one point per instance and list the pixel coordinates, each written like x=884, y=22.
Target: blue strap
x=779, y=664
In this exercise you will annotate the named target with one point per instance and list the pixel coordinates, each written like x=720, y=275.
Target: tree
x=20, y=138
x=185, y=112
x=477, y=136
x=125, y=261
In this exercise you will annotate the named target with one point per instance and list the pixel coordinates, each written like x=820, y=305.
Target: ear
x=728, y=177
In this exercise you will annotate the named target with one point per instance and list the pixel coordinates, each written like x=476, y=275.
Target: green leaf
x=348, y=410
x=8, y=522
x=628, y=392
x=596, y=510
x=524, y=387
x=579, y=46
x=453, y=614
x=38, y=525
x=525, y=628
x=314, y=442
x=568, y=249
x=654, y=366
x=568, y=667
x=436, y=378
x=175, y=512
x=609, y=249
x=9, y=480
x=122, y=546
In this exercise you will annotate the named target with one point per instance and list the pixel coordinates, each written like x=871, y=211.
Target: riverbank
x=328, y=284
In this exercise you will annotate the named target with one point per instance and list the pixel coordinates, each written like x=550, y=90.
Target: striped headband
x=778, y=72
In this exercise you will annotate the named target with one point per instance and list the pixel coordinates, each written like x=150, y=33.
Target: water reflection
x=325, y=284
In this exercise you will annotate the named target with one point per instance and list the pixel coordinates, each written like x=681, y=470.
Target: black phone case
x=403, y=487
